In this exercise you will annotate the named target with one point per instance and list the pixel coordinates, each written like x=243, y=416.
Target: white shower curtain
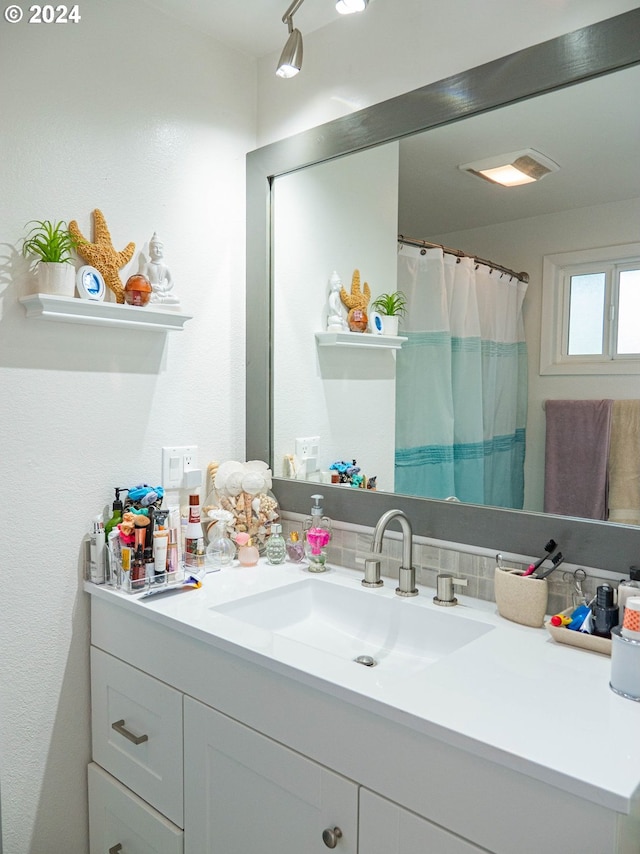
x=461, y=381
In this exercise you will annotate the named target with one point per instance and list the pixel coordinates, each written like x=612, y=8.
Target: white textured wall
x=399, y=45
x=344, y=395
x=128, y=112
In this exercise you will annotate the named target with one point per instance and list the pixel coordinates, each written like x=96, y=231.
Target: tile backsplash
x=349, y=543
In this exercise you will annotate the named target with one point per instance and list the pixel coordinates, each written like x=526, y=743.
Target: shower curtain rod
x=412, y=241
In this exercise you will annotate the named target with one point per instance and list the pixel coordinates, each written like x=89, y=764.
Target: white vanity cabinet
x=246, y=793
x=135, y=781
x=241, y=757
x=122, y=823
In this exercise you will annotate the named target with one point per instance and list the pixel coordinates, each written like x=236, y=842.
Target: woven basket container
x=521, y=600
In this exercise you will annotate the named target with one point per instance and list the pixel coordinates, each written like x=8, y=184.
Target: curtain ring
x=423, y=251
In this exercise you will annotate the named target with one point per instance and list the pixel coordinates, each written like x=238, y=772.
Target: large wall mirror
x=416, y=141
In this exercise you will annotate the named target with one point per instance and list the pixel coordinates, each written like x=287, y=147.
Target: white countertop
x=513, y=696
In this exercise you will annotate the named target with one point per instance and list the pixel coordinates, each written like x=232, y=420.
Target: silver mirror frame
x=601, y=48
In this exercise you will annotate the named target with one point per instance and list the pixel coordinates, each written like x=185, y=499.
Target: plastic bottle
x=317, y=533
x=116, y=512
x=193, y=537
x=627, y=588
x=97, y=552
x=276, y=547
x=605, y=613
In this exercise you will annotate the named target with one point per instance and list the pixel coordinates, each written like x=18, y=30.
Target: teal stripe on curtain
x=428, y=468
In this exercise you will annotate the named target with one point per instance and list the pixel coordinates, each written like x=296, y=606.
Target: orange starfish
x=357, y=299
x=101, y=254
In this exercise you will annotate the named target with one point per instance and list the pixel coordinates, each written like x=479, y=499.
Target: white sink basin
x=350, y=623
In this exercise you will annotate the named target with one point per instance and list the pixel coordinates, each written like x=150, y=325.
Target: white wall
x=128, y=112
x=399, y=45
x=521, y=245
x=344, y=395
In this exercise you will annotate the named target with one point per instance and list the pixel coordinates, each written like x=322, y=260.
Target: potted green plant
x=52, y=244
x=392, y=306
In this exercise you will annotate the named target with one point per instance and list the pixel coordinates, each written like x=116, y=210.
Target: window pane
x=586, y=314
x=629, y=312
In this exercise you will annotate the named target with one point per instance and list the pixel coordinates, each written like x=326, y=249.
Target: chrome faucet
x=407, y=574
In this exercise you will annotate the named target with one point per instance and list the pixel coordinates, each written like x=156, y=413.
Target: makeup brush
x=550, y=547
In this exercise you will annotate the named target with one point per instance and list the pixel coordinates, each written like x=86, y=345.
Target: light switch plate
x=175, y=462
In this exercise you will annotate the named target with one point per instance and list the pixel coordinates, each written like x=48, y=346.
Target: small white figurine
x=158, y=274
x=335, y=319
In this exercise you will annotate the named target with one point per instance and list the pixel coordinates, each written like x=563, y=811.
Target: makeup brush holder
x=521, y=600
x=625, y=665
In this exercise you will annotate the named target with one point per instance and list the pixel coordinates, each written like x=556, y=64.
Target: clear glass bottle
x=295, y=547
x=276, y=547
x=248, y=554
x=221, y=549
x=317, y=533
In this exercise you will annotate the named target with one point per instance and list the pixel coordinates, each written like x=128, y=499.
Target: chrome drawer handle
x=136, y=739
x=116, y=848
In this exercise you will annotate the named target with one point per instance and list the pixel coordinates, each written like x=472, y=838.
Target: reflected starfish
x=101, y=254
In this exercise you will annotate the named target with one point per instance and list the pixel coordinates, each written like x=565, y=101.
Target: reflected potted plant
x=52, y=244
x=391, y=306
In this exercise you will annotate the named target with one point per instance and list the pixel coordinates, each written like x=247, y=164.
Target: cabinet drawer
x=385, y=827
x=117, y=817
x=137, y=732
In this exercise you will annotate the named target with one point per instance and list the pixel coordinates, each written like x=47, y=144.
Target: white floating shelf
x=359, y=339
x=75, y=310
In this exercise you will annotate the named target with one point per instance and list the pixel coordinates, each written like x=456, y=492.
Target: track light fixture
x=291, y=57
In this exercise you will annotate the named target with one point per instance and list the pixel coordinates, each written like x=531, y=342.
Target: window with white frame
x=591, y=311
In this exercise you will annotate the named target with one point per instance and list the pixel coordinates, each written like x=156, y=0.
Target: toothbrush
x=550, y=546
x=556, y=560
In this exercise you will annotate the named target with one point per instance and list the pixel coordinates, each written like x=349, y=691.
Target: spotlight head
x=348, y=7
x=291, y=57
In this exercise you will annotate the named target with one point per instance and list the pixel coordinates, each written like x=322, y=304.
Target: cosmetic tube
x=172, y=555
x=96, y=551
x=114, y=558
x=137, y=574
x=160, y=548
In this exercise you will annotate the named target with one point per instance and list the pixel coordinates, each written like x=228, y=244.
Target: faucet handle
x=372, y=572
x=444, y=589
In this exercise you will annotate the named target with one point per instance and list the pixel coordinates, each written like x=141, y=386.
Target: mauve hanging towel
x=576, y=457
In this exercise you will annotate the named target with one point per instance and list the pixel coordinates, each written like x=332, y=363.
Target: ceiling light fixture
x=290, y=61
x=291, y=57
x=514, y=169
x=348, y=7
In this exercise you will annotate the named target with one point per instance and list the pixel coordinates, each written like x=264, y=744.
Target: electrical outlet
x=176, y=461
x=307, y=449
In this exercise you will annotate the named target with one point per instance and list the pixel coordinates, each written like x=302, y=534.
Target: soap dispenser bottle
x=116, y=512
x=317, y=533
